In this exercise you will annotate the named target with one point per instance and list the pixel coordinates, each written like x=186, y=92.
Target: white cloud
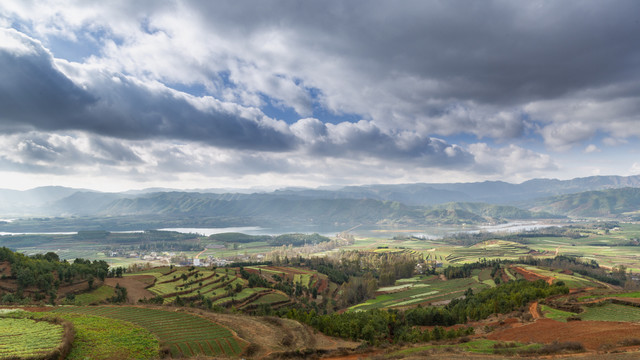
x=422, y=80
x=591, y=148
x=512, y=161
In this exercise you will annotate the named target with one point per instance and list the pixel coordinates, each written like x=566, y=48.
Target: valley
x=385, y=287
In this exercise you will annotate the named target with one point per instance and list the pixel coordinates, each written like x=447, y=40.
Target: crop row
x=184, y=333
x=22, y=338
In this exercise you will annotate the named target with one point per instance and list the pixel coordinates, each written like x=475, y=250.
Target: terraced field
x=489, y=250
x=427, y=290
x=184, y=334
x=573, y=281
x=27, y=338
x=226, y=287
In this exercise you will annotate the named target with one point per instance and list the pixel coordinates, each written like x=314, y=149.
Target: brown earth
x=533, y=309
x=532, y=276
x=5, y=268
x=135, y=286
x=592, y=334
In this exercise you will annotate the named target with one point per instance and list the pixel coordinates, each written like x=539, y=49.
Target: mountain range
x=421, y=203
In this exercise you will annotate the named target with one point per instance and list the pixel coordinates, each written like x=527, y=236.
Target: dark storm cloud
x=35, y=94
x=112, y=105
x=489, y=51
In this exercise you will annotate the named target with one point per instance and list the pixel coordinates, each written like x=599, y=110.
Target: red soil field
x=531, y=276
x=592, y=334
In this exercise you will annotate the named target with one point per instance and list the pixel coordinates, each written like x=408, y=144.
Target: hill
x=55, y=201
x=605, y=203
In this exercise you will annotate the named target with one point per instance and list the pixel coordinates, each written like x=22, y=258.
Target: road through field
x=533, y=309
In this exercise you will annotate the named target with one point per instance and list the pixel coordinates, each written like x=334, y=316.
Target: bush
x=630, y=342
x=556, y=348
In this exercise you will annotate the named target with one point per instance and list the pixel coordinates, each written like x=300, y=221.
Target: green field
x=611, y=312
x=96, y=296
x=271, y=298
x=573, y=281
x=479, y=346
x=103, y=338
x=494, y=249
x=183, y=333
x=184, y=282
x=555, y=314
x=428, y=290
x=27, y=338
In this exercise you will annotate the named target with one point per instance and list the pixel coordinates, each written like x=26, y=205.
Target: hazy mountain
x=265, y=208
x=497, y=211
x=493, y=192
x=602, y=203
x=61, y=201
x=34, y=201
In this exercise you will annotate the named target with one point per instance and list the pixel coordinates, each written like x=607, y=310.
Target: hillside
x=497, y=211
x=605, y=203
x=57, y=201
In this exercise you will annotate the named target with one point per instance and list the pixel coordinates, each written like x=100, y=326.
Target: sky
x=117, y=95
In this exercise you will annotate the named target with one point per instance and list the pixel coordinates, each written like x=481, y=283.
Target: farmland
x=226, y=287
x=611, y=312
x=102, y=338
x=182, y=333
x=423, y=291
x=24, y=338
x=573, y=281
x=495, y=249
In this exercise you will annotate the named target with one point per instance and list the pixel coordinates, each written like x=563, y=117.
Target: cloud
x=461, y=90
x=35, y=92
x=591, y=148
x=436, y=68
x=364, y=139
x=511, y=160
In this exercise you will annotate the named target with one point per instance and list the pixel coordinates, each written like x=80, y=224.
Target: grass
x=96, y=296
x=427, y=290
x=26, y=338
x=479, y=346
x=103, y=338
x=555, y=314
x=611, y=312
x=184, y=334
x=270, y=299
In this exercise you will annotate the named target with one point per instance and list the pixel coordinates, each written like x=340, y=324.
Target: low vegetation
x=180, y=333
x=24, y=338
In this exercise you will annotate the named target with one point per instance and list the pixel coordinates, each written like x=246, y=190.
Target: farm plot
x=271, y=298
x=185, y=282
x=96, y=296
x=183, y=333
x=27, y=338
x=611, y=312
x=488, y=250
x=431, y=290
x=100, y=338
x=555, y=314
x=573, y=281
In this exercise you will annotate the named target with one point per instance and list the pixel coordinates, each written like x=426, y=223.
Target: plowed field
x=592, y=334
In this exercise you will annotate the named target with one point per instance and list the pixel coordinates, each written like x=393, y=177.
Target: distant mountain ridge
x=600, y=203
x=487, y=201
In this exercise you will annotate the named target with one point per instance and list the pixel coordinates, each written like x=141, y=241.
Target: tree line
x=43, y=274
x=376, y=326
